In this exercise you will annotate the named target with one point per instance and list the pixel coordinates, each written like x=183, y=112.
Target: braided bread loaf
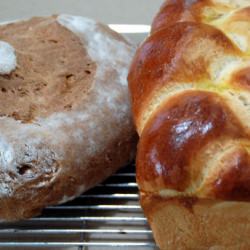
x=190, y=88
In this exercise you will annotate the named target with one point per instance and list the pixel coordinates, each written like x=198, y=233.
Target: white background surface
x=107, y=11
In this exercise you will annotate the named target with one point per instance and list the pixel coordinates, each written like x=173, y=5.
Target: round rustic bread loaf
x=65, y=121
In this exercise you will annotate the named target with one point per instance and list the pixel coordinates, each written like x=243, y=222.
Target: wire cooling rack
x=106, y=217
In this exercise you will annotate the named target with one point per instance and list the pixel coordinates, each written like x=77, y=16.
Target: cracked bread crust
x=65, y=120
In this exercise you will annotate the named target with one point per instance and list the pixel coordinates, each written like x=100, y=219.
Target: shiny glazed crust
x=190, y=83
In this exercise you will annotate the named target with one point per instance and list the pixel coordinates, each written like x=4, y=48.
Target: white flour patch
x=6, y=153
x=101, y=46
x=7, y=58
x=110, y=55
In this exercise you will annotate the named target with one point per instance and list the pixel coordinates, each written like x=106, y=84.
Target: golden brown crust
x=180, y=81
x=174, y=56
x=174, y=136
x=231, y=181
x=200, y=11
x=189, y=223
x=189, y=83
x=242, y=79
x=174, y=11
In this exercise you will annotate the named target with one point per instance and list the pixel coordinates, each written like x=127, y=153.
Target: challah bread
x=190, y=83
x=65, y=119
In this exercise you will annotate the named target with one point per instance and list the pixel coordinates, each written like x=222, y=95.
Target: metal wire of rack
x=106, y=217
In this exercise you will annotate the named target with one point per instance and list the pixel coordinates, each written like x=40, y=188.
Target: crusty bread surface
x=190, y=91
x=65, y=120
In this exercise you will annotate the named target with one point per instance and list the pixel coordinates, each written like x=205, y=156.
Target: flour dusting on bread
x=111, y=55
x=101, y=47
x=57, y=153
x=6, y=153
x=7, y=58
